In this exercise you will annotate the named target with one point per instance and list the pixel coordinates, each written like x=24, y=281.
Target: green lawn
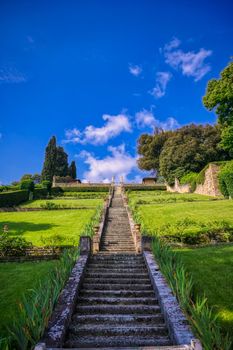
x=59, y=227
x=212, y=270
x=157, y=197
x=211, y=267
x=156, y=217
x=65, y=203
x=85, y=194
x=15, y=280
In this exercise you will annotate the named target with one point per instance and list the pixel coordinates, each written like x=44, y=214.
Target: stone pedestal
x=85, y=245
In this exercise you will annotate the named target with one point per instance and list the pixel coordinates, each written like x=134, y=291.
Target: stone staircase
x=117, y=306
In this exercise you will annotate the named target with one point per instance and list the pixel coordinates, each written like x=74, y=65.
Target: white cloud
x=118, y=164
x=146, y=118
x=162, y=79
x=135, y=70
x=115, y=124
x=190, y=63
x=11, y=76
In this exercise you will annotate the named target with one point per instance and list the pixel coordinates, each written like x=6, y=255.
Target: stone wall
x=210, y=186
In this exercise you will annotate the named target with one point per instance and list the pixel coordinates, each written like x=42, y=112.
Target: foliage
x=144, y=188
x=189, y=149
x=36, y=306
x=64, y=179
x=64, y=203
x=196, y=308
x=149, y=148
x=87, y=188
x=191, y=179
x=49, y=166
x=219, y=96
x=40, y=193
x=227, y=139
x=226, y=179
x=61, y=167
x=13, y=246
x=26, y=177
x=47, y=185
x=10, y=199
x=72, y=171
x=27, y=185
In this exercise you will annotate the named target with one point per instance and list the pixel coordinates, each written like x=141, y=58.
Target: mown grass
x=64, y=203
x=211, y=266
x=52, y=227
x=156, y=217
x=15, y=280
x=212, y=271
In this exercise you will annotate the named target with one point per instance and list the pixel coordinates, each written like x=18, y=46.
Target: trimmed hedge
x=226, y=179
x=86, y=189
x=40, y=193
x=145, y=187
x=11, y=199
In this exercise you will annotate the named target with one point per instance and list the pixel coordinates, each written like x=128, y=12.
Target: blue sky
x=97, y=74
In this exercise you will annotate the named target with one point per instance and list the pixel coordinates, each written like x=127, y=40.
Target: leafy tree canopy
x=72, y=171
x=219, y=96
x=61, y=167
x=189, y=149
x=149, y=148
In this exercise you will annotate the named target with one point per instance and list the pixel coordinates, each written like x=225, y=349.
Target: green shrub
x=144, y=188
x=40, y=193
x=226, y=179
x=56, y=191
x=47, y=185
x=27, y=185
x=10, y=199
x=50, y=206
x=191, y=179
x=86, y=189
x=13, y=246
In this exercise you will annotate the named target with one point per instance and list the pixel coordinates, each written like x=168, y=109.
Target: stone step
x=117, y=300
x=124, y=267
x=117, y=341
x=122, y=281
x=125, y=330
x=114, y=274
x=117, y=293
x=120, y=309
x=115, y=269
x=114, y=319
x=116, y=286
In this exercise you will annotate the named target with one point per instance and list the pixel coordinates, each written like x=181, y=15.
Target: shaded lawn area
x=212, y=271
x=157, y=215
x=65, y=203
x=15, y=280
x=58, y=227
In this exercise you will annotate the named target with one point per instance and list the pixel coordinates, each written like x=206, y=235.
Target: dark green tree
x=26, y=177
x=149, y=148
x=61, y=167
x=49, y=166
x=189, y=149
x=72, y=171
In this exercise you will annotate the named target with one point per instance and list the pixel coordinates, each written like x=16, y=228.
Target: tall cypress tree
x=73, y=170
x=61, y=168
x=49, y=165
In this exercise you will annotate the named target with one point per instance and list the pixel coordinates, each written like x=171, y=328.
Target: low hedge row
x=86, y=189
x=145, y=187
x=10, y=199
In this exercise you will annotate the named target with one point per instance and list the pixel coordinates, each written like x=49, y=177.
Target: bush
x=191, y=179
x=47, y=185
x=50, y=206
x=13, y=246
x=40, y=193
x=144, y=188
x=10, y=199
x=86, y=189
x=226, y=179
x=27, y=185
